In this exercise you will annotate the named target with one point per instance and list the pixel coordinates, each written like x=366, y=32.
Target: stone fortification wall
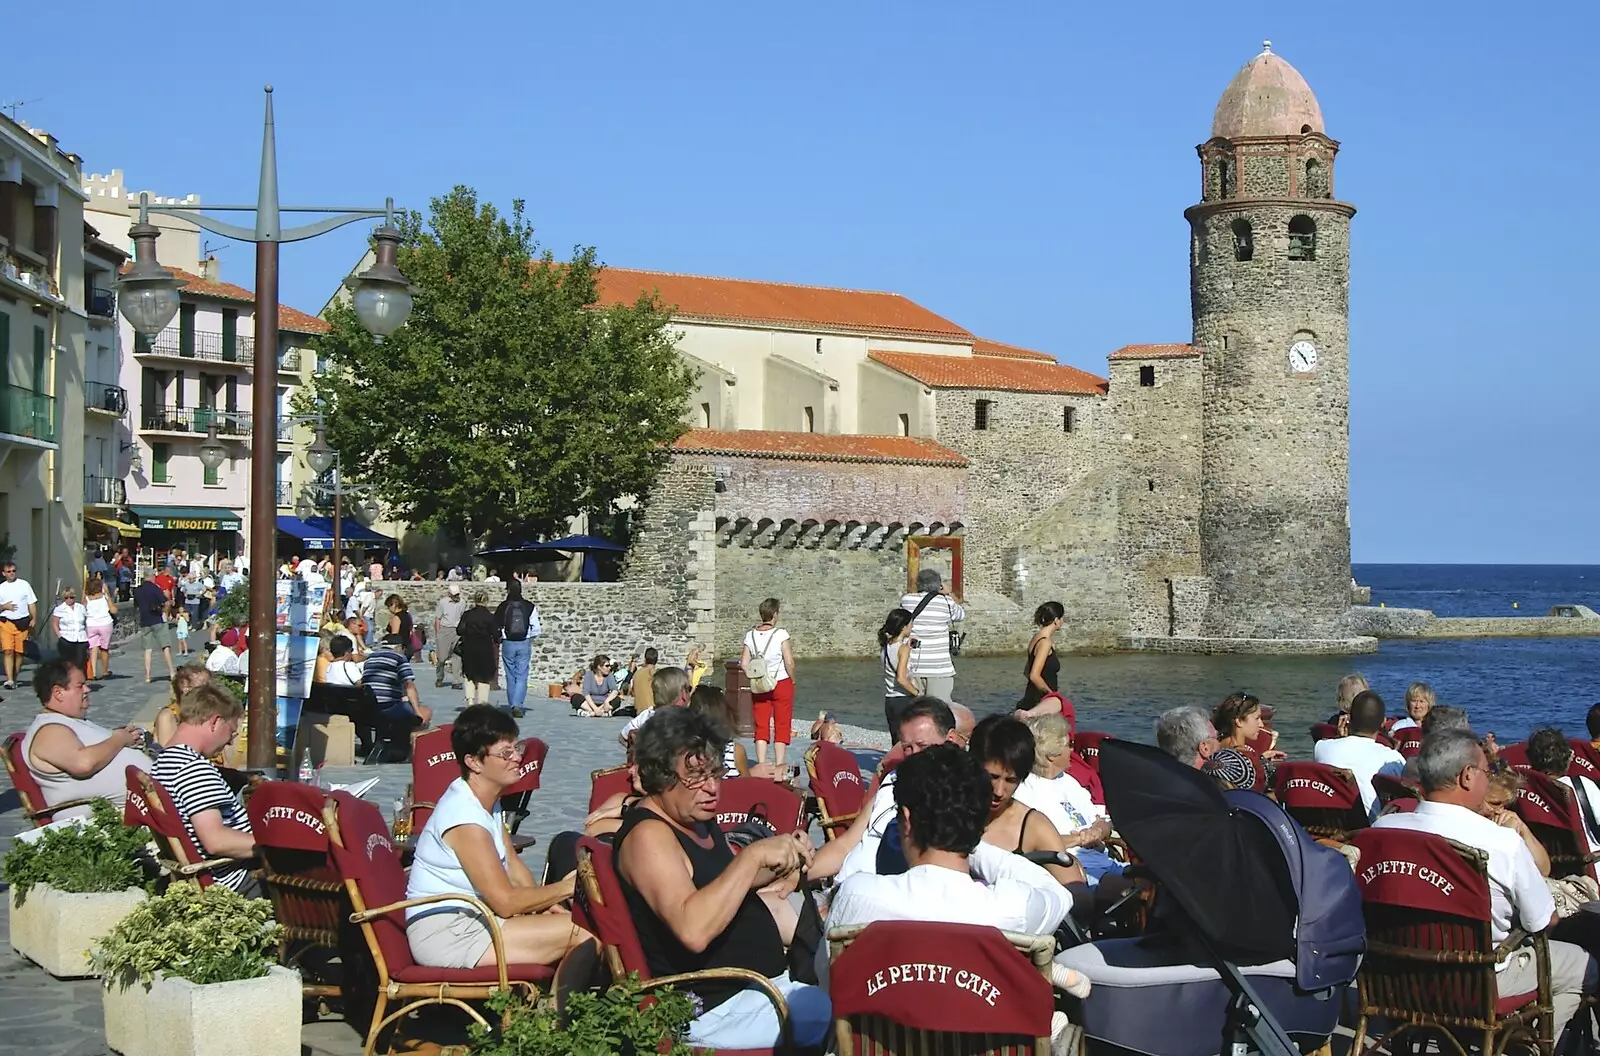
x=1042, y=516
x=1422, y=623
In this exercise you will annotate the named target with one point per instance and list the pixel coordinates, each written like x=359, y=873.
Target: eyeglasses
x=699, y=778
x=510, y=753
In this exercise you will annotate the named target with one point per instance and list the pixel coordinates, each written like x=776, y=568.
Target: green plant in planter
x=234, y=609
x=621, y=1021
x=100, y=857
x=204, y=935
x=234, y=686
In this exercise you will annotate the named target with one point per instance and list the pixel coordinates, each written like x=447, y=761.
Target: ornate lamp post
x=323, y=458
x=149, y=296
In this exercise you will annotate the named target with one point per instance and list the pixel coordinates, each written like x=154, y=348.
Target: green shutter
x=230, y=335
x=40, y=359
x=5, y=349
x=141, y=343
x=213, y=476
x=160, y=454
x=186, y=315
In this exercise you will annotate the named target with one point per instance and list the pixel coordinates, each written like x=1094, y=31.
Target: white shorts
x=449, y=938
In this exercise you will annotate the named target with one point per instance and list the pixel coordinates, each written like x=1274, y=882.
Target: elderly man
x=1455, y=781
x=694, y=903
x=69, y=756
x=932, y=610
x=446, y=620
x=1186, y=734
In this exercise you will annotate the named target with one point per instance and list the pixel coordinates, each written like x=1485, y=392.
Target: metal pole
x=263, y=710
x=338, y=563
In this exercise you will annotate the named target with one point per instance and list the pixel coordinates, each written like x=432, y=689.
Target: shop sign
x=190, y=524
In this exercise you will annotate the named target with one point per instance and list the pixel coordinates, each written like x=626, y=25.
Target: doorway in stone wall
x=940, y=552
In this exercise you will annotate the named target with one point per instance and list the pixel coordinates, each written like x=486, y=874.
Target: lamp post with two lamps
x=148, y=296
x=324, y=460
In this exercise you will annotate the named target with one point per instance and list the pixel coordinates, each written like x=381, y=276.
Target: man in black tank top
x=694, y=902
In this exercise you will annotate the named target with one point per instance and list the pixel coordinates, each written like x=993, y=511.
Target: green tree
x=510, y=401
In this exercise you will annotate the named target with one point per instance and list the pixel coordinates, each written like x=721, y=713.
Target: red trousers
x=775, y=712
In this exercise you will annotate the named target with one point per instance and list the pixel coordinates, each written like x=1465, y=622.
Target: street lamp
x=212, y=452
x=320, y=457
x=149, y=298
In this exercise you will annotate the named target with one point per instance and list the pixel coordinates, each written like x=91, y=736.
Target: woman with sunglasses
x=465, y=849
x=70, y=622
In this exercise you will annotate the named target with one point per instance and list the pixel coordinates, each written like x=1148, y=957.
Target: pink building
x=197, y=372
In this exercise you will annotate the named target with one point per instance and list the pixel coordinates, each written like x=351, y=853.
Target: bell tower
x=1269, y=272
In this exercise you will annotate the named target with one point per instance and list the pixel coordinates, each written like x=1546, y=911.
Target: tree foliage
x=509, y=402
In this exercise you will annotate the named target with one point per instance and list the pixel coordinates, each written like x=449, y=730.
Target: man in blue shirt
x=151, y=601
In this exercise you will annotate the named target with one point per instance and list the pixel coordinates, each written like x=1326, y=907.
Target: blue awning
x=317, y=533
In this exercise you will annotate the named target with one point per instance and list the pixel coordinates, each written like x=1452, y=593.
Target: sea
x=1508, y=685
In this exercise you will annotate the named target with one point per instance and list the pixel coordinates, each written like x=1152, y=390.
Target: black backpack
x=517, y=620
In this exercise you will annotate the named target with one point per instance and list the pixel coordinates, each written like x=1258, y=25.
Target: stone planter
x=56, y=930
x=174, y=1017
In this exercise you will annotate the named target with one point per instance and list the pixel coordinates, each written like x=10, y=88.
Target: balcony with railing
x=105, y=398
x=27, y=414
x=196, y=420
x=174, y=343
x=285, y=428
x=104, y=491
x=103, y=304
x=289, y=361
x=285, y=494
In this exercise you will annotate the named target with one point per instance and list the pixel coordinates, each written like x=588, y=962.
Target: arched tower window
x=1302, y=238
x=1315, y=184
x=1244, y=244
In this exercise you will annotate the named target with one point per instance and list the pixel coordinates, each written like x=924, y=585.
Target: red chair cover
x=433, y=767
x=1086, y=746
x=1408, y=742
x=837, y=783
x=607, y=784
x=740, y=798
x=1542, y=800
x=163, y=819
x=1261, y=742
x=951, y=978
x=1418, y=870
x=1390, y=788
x=27, y=786
x=288, y=815
x=1324, y=731
x=1515, y=756
x=369, y=859
x=1585, y=760
x=611, y=922
x=533, y=752
x=135, y=811
x=1315, y=786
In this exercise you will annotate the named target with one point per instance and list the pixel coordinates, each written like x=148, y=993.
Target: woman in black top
x=398, y=630
x=1042, y=668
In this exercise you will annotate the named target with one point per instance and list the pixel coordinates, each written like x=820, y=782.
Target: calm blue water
x=1507, y=685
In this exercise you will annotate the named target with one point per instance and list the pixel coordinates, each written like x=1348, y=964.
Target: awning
x=187, y=518
x=130, y=530
x=317, y=532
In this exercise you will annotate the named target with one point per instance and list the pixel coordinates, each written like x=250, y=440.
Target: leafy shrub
x=622, y=1021
x=99, y=857
x=234, y=608
x=234, y=686
x=204, y=935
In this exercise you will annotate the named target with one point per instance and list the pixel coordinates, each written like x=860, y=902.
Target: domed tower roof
x=1267, y=98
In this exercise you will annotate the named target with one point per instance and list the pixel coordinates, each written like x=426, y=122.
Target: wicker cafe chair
x=1515, y=756
x=177, y=853
x=514, y=801
x=742, y=799
x=603, y=784
x=837, y=793
x=1324, y=799
x=1551, y=812
x=308, y=898
x=602, y=909
x=1430, y=963
x=369, y=864
x=1408, y=742
x=433, y=767
x=28, y=791
x=1390, y=788
x=912, y=987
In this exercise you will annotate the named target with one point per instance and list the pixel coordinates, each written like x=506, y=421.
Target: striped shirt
x=387, y=672
x=931, y=656
x=196, y=785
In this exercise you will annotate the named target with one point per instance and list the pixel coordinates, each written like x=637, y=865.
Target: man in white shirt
x=1359, y=752
x=1455, y=781
x=931, y=665
x=942, y=798
x=19, y=611
x=1551, y=755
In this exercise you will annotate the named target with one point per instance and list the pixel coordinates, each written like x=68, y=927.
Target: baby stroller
x=1257, y=932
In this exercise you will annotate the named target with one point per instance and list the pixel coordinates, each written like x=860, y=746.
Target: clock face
x=1302, y=357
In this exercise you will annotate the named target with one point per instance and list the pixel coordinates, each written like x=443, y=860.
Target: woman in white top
x=894, y=649
x=100, y=619
x=341, y=671
x=70, y=622
x=773, y=709
x=464, y=848
x=1419, y=701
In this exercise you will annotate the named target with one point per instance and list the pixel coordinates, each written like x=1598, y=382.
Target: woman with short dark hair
x=398, y=630
x=1004, y=746
x=465, y=848
x=1041, y=670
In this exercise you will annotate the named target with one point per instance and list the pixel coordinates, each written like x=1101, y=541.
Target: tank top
x=1050, y=673
x=891, y=684
x=750, y=940
x=99, y=611
x=111, y=782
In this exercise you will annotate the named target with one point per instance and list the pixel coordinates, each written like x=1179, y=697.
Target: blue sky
x=1021, y=169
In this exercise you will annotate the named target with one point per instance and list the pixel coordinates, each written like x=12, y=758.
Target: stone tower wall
x=1158, y=439
x=1274, y=519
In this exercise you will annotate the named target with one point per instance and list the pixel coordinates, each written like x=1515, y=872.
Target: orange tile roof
x=749, y=301
x=991, y=372
x=1154, y=352
x=291, y=319
x=818, y=447
x=984, y=347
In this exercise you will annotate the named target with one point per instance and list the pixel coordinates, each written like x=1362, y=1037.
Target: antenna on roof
x=1266, y=47
x=17, y=104
x=207, y=249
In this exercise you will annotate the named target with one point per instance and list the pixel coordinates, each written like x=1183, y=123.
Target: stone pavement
x=54, y=1018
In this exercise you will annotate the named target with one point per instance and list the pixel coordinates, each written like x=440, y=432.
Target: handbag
x=760, y=672
x=809, y=934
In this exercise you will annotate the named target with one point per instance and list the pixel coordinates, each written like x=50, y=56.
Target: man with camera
x=933, y=610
